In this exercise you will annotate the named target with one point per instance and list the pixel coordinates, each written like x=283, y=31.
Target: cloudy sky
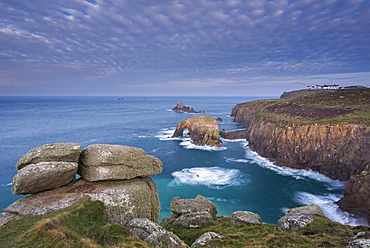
x=181, y=47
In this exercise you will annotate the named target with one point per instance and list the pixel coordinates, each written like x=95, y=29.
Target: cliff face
x=244, y=113
x=203, y=130
x=337, y=151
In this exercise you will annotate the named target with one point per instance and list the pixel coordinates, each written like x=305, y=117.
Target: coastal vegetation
x=86, y=224
x=333, y=107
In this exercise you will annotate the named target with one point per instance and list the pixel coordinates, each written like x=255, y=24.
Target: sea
x=233, y=177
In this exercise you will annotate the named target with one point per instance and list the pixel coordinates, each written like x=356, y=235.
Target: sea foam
x=212, y=177
x=329, y=207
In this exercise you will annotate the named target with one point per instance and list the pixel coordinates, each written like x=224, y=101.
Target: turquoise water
x=233, y=176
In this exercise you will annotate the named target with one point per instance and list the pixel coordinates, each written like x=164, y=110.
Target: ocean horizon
x=233, y=176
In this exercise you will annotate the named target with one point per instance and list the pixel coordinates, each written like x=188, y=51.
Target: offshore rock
x=337, y=151
x=245, y=217
x=194, y=219
x=232, y=135
x=181, y=107
x=202, y=240
x=203, y=130
x=199, y=204
x=154, y=234
x=116, y=162
x=356, y=199
x=123, y=200
x=35, y=178
x=62, y=152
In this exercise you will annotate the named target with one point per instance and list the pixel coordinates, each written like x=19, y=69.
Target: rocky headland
x=182, y=108
x=203, y=130
x=327, y=132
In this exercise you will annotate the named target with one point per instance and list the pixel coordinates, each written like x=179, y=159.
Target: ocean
x=233, y=177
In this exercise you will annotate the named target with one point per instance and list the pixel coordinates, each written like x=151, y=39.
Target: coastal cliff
x=328, y=133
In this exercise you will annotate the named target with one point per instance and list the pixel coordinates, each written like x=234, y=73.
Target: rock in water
x=35, y=178
x=123, y=200
x=181, y=107
x=62, y=152
x=203, y=130
x=116, y=162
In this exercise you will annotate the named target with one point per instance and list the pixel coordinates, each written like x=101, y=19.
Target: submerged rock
x=35, y=178
x=203, y=130
x=116, y=162
x=62, y=152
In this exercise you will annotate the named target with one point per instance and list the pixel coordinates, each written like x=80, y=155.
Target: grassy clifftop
x=333, y=107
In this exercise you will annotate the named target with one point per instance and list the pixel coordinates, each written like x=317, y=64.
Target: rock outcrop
x=202, y=240
x=113, y=174
x=116, y=162
x=181, y=107
x=203, y=130
x=61, y=152
x=246, y=218
x=244, y=113
x=198, y=204
x=356, y=199
x=232, y=135
x=298, y=218
x=154, y=234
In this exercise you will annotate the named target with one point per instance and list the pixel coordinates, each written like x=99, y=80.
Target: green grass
x=85, y=224
x=321, y=233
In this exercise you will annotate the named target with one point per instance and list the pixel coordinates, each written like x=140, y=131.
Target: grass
x=85, y=224
x=334, y=107
x=320, y=233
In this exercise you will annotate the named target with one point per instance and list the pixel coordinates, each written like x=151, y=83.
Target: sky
x=181, y=47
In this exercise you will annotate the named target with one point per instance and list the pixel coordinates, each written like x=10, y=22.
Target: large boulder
x=203, y=130
x=199, y=204
x=116, y=162
x=297, y=218
x=245, y=217
x=154, y=234
x=35, y=178
x=194, y=220
x=62, y=152
x=123, y=200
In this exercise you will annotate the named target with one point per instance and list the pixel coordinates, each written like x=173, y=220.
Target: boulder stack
x=117, y=175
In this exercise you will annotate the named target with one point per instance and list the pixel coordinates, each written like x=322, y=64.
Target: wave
x=212, y=177
x=217, y=199
x=6, y=185
x=299, y=174
x=330, y=209
x=166, y=134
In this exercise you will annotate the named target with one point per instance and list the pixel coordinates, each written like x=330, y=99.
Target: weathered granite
x=63, y=152
x=310, y=209
x=202, y=240
x=245, y=217
x=194, y=219
x=35, y=178
x=123, y=200
x=100, y=162
x=6, y=217
x=154, y=234
x=184, y=206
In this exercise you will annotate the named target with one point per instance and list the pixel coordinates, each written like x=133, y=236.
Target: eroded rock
x=123, y=200
x=35, y=178
x=202, y=240
x=199, y=204
x=194, y=219
x=181, y=107
x=293, y=222
x=245, y=217
x=116, y=162
x=62, y=152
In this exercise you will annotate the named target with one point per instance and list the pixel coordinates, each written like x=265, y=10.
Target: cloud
x=103, y=39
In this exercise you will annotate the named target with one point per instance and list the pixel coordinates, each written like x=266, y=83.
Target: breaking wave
x=330, y=209
x=212, y=177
